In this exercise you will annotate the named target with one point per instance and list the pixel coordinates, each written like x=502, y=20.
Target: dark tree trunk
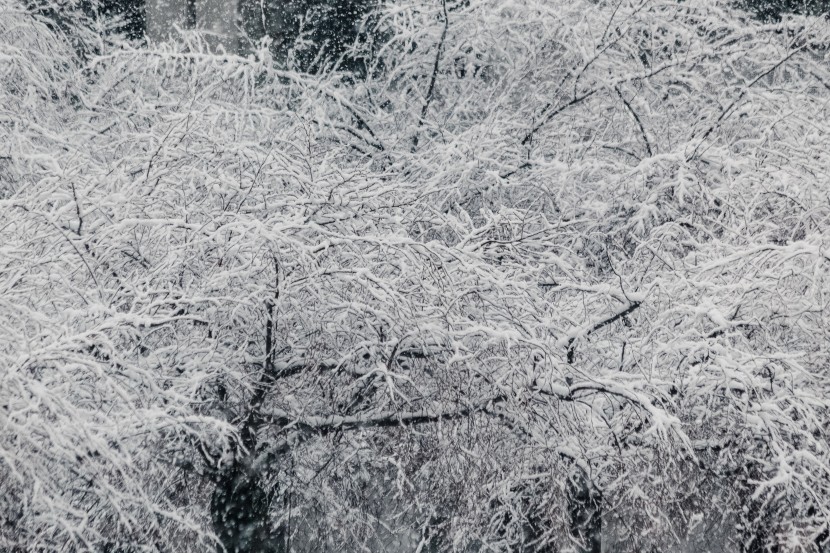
x=239, y=509
x=585, y=506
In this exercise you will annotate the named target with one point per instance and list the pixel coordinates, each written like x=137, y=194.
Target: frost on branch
x=551, y=277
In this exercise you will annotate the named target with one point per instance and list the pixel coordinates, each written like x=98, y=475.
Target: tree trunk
x=585, y=506
x=239, y=509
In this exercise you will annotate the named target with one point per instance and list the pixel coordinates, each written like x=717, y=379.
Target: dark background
x=337, y=17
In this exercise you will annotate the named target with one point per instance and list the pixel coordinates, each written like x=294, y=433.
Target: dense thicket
x=552, y=277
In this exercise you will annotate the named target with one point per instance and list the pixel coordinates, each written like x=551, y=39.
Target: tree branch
x=435, y=67
x=571, y=341
x=637, y=119
x=725, y=112
x=577, y=100
x=328, y=423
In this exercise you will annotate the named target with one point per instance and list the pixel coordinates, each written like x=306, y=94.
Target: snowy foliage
x=547, y=266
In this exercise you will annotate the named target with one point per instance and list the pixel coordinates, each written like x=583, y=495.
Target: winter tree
x=545, y=276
